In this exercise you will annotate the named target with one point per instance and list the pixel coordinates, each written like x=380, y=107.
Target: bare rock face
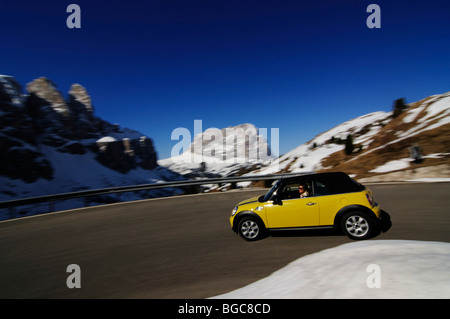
x=46, y=90
x=43, y=118
x=241, y=142
x=10, y=90
x=127, y=154
x=20, y=157
x=80, y=100
x=52, y=119
x=145, y=151
x=113, y=155
x=82, y=111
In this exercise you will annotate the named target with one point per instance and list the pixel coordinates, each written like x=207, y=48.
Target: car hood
x=248, y=201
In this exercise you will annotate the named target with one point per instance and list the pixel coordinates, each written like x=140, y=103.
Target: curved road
x=180, y=247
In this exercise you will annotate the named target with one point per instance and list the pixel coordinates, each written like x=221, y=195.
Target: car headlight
x=233, y=212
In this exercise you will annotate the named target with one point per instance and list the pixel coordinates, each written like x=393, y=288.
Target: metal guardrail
x=134, y=188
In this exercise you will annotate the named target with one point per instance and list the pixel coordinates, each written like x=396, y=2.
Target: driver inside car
x=303, y=191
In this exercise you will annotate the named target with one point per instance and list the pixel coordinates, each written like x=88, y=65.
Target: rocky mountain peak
x=222, y=152
x=10, y=90
x=79, y=94
x=242, y=141
x=46, y=90
x=43, y=122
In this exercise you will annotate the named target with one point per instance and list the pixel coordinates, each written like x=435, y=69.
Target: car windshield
x=271, y=191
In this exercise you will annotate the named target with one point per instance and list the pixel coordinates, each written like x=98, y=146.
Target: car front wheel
x=250, y=229
x=357, y=225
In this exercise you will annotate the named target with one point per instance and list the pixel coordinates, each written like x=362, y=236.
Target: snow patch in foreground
x=407, y=269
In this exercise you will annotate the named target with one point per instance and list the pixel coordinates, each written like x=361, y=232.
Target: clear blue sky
x=300, y=66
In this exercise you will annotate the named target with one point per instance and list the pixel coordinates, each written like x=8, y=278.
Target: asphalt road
x=180, y=247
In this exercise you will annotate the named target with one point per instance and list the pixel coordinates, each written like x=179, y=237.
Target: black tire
x=251, y=228
x=358, y=225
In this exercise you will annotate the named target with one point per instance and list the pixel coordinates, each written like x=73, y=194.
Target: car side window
x=320, y=189
x=291, y=191
x=288, y=192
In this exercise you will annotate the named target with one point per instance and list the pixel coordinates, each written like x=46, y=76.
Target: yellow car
x=314, y=201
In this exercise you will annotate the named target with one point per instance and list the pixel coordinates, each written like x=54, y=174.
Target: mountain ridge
x=222, y=152
x=382, y=143
x=51, y=144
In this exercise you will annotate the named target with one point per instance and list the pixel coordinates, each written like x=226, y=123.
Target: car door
x=286, y=213
x=328, y=201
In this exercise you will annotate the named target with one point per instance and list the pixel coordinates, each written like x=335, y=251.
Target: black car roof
x=321, y=176
x=336, y=182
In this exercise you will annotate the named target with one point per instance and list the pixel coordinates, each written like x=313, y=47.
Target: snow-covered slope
x=369, y=269
x=308, y=157
x=382, y=143
x=74, y=172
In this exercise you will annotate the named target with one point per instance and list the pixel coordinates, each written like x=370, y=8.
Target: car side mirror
x=261, y=198
x=277, y=200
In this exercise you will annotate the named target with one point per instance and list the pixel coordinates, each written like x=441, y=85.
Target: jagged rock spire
x=46, y=90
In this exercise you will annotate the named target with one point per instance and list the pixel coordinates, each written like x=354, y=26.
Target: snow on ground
x=368, y=269
x=403, y=163
x=392, y=166
x=438, y=109
x=342, y=130
x=431, y=180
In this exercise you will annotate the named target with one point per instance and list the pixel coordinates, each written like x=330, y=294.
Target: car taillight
x=370, y=199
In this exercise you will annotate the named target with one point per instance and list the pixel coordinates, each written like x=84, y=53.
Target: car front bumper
x=384, y=221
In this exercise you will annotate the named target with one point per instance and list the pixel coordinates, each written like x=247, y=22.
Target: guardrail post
x=51, y=207
x=12, y=212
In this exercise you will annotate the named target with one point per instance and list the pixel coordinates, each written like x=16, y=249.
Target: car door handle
x=311, y=203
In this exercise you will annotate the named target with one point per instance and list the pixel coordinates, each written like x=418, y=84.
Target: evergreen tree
x=349, y=147
x=398, y=107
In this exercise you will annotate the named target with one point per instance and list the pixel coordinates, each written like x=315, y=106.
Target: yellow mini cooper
x=314, y=201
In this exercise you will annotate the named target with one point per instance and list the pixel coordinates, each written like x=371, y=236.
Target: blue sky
x=300, y=66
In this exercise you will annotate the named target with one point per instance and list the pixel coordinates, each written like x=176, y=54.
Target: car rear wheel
x=357, y=225
x=250, y=229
